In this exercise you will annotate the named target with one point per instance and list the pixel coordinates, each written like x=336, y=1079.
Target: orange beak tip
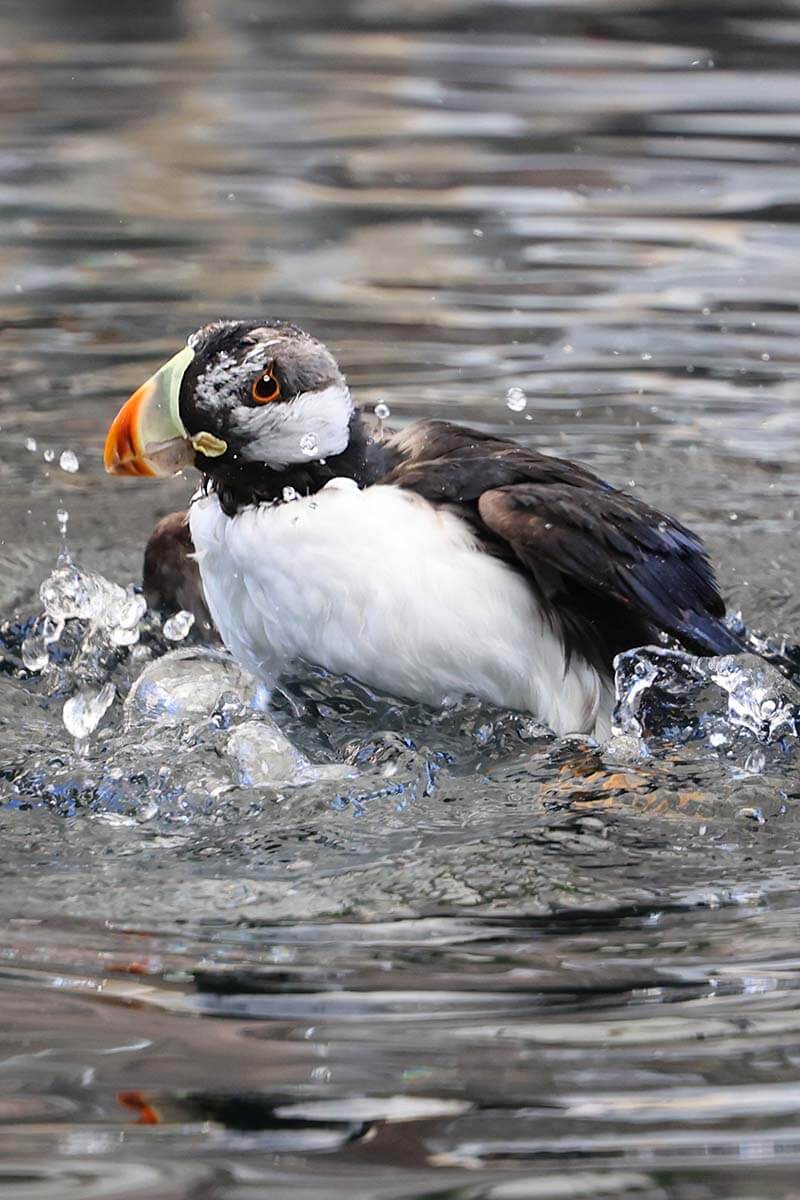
x=122, y=454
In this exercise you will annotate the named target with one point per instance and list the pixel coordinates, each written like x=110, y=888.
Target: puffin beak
x=147, y=436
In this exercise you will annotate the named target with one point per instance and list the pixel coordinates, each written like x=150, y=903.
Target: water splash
x=70, y=593
x=178, y=626
x=668, y=695
x=124, y=629
x=103, y=620
x=192, y=727
x=34, y=652
x=83, y=712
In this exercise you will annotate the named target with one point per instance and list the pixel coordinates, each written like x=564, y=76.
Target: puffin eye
x=265, y=388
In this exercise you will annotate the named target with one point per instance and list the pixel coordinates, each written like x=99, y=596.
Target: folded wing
x=612, y=571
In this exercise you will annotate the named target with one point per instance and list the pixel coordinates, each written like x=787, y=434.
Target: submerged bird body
x=430, y=563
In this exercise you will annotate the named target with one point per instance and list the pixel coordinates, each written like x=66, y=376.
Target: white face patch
x=313, y=425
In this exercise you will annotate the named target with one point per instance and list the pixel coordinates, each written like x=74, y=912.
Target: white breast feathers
x=381, y=585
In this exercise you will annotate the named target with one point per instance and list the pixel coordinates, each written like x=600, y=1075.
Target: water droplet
x=125, y=631
x=83, y=712
x=289, y=494
x=52, y=630
x=62, y=516
x=69, y=461
x=30, y=444
x=646, y=357
x=477, y=233
x=516, y=399
x=755, y=763
x=765, y=357
x=49, y=455
x=177, y=627
x=309, y=444
x=382, y=411
x=34, y=652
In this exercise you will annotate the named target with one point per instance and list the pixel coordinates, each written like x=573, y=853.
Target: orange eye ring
x=265, y=389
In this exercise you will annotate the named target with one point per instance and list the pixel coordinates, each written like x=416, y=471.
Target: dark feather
x=611, y=571
x=171, y=578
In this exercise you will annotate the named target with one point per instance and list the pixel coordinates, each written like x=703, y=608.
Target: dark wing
x=611, y=570
x=171, y=577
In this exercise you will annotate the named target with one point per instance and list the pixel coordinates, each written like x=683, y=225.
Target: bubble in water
x=187, y=684
x=309, y=444
x=382, y=411
x=177, y=627
x=265, y=756
x=34, y=652
x=30, y=444
x=49, y=455
x=289, y=494
x=83, y=712
x=516, y=399
x=69, y=461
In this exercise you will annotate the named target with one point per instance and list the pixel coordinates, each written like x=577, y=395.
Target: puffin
x=431, y=563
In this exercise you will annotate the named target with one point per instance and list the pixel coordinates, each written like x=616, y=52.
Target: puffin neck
x=241, y=484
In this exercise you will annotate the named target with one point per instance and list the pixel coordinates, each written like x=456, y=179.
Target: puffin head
x=237, y=395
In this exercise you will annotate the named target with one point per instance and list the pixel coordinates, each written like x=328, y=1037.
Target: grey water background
x=495, y=966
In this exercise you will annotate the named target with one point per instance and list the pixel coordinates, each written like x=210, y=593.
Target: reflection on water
x=469, y=961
